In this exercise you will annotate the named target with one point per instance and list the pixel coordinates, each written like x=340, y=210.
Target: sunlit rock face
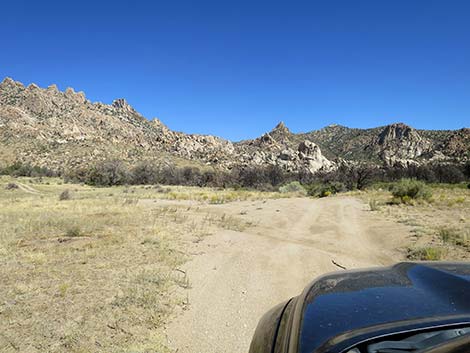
x=63, y=129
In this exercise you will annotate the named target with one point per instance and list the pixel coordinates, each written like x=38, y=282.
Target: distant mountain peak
x=280, y=130
x=280, y=125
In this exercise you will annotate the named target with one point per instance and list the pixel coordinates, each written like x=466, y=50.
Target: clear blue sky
x=236, y=68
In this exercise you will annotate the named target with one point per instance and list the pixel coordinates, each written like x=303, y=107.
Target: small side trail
x=28, y=189
x=241, y=275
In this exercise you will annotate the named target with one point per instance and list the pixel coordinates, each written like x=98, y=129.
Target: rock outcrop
x=400, y=143
x=62, y=130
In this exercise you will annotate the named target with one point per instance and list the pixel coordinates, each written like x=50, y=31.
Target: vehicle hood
x=351, y=301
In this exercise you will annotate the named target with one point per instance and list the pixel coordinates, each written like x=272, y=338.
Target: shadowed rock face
x=62, y=130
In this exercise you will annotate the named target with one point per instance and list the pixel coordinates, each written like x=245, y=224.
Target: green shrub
x=426, y=253
x=294, y=187
x=74, y=231
x=19, y=169
x=106, y=173
x=325, y=189
x=407, y=190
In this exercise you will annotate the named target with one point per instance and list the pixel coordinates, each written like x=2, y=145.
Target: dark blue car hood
x=344, y=304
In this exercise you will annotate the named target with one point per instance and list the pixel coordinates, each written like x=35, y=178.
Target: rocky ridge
x=61, y=130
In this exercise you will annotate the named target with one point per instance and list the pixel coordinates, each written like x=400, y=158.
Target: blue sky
x=236, y=68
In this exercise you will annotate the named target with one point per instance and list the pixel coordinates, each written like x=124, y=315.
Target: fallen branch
x=338, y=265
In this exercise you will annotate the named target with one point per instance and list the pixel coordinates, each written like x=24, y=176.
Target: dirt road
x=240, y=275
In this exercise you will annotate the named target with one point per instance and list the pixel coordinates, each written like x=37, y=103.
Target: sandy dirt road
x=241, y=275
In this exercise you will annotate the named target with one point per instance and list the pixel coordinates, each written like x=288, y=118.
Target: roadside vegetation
x=101, y=263
x=438, y=215
x=430, y=197
x=97, y=269
x=345, y=178
x=408, y=191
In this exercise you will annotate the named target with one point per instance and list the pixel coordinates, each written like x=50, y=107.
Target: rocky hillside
x=62, y=130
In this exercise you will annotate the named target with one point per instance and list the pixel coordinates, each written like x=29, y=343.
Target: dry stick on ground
x=338, y=265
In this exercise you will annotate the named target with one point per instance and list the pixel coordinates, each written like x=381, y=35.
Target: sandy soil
x=240, y=275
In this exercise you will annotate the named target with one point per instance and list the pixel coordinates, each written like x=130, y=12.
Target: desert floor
x=236, y=276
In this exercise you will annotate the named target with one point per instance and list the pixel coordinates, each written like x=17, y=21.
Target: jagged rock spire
x=280, y=132
x=121, y=103
x=281, y=127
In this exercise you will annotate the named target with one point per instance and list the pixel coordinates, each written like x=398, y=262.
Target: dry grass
x=426, y=253
x=99, y=272
x=440, y=225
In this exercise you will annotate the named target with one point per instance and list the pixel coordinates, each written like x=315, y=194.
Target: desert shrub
x=363, y=176
x=425, y=173
x=349, y=176
x=144, y=173
x=460, y=199
x=258, y=177
x=267, y=187
x=11, y=186
x=446, y=234
x=162, y=190
x=426, y=253
x=466, y=170
x=374, y=205
x=314, y=189
x=249, y=177
x=217, y=199
x=448, y=173
x=170, y=175
x=27, y=170
x=77, y=175
x=325, y=189
x=275, y=176
x=108, y=173
x=435, y=172
x=213, y=178
x=452, y=236
x=346, y=177
x=65, y=195
x=294, y=187
x=407, y=189
x=191, y=176
x=73, y=231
